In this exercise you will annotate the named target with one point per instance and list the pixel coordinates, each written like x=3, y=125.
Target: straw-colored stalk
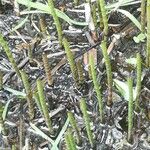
x=47, y=69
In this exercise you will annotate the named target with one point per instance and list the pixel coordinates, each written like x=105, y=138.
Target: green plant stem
x=71, y=60
x=148, y=34
x=104, y=16
x=74, y=126
x=96, y=86
x=108, y=71
x=8, y=52
x=130, y=108
x=86, y=121
x=76, y=2
x=138, y=84
x=43, y=104
x=56, y=20
x=143, y=15
x=29, y=94
x=70, y=142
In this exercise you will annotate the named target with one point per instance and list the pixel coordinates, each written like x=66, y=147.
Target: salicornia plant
x=69, y=139
x=130, y=108
x=96, y=86
x=43, y=104
x=74, y=126
x=8, y=52
x=104, y=16
x=138, y=84
x=86, y=121
x=148, y=34
x=47, y=69
x=108, y=71
x=56, y=20
x=28, y=90
x=71, y=60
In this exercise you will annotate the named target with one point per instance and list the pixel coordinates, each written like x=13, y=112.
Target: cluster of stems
x=86, y=121
x=43, y=104
x=96, y=86
x=108, y=71
x=56, y=20
x=130, y=109
x=28, y=90
x=8, y=52
x=75, y=127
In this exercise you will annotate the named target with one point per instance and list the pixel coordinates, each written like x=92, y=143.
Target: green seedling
x=86, y=121
x=28, y=90
x=130, y=108
x=97, y=87
x=104, y=16
x=71, y=60
x=69, y=139
x=56, y=20
x=80, y=72
x=74, y=126
x=148, y=34
x=140, y=38
x=138, y=84
x=143, y=15
x=108, y=71
x=8, y=52
x=47, y=69
x=43, y=104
